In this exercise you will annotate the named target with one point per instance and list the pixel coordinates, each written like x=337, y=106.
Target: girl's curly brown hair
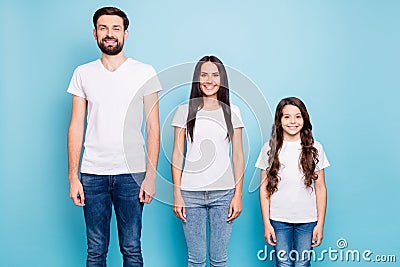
x=309, y=154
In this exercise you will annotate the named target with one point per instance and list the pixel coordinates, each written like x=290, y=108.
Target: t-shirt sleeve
x=75, y=86
x=323, y=160
x=262, y=161
x=236, y=117
x=180, y=117
x=152, y=85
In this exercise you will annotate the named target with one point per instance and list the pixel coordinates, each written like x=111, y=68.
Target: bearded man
x=110, y=90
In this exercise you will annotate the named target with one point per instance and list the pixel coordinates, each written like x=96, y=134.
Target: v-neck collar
x=116, y=70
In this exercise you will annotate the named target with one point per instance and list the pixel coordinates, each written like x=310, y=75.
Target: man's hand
x=76, y=192
x=147, y=190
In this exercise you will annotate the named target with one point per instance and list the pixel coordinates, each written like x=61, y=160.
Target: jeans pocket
x=138, y=177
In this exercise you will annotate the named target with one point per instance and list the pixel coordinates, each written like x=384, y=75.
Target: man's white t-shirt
x=207, y=163
x=114, y=115
x=293, y=202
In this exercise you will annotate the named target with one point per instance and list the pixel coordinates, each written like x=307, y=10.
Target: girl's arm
x=177, y=161
x=235, y=207
x=269, y=233
x=321, y=196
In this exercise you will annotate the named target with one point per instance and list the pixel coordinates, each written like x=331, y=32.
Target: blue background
x=341, y=57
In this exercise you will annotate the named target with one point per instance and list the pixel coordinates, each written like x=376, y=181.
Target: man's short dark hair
x=110, y=11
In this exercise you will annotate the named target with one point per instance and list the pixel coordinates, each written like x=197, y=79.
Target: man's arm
x=148, y=188
x=75, y=138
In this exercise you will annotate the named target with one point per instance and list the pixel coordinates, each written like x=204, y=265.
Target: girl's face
x=292, y=123
x=209, y=79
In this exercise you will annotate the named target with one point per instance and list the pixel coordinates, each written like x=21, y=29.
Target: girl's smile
x=292, y=123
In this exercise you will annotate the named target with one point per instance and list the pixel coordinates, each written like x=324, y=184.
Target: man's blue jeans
x=101, y=193
x=214, y=206
x=293, y=243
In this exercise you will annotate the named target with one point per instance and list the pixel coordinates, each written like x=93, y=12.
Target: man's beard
x=109, y=50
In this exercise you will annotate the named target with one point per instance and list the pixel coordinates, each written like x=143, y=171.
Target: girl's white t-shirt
x=293, y=202
x=207, y=163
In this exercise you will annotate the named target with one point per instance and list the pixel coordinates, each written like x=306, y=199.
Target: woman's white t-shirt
x=207, y=163
x=293, y=202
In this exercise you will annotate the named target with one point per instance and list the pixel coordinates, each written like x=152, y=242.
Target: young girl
x=293, y=191
x=207, y=188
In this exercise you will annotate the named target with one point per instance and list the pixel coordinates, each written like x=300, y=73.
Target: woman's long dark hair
x=309, y=154
x=196, y=96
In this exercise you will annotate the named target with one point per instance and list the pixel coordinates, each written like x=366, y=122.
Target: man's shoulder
x=138, y=64
x=89, y=66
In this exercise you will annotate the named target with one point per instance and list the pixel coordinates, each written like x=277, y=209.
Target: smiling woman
x=209, y=79
x=207, y=193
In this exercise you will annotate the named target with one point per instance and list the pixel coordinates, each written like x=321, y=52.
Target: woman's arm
x=321, y=197
x=269, y=232
x=235, y=207
x=177, y=161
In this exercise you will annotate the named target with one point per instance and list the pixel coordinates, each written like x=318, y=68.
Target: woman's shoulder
x=183, y=108
x=235, y=108
x=180, y=116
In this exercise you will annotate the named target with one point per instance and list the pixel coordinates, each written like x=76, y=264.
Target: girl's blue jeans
x=207, y=208
x=293, y=243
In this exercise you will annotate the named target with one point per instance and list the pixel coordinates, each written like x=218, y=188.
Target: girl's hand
x=179, y=208
x=235, y=208
x=318, y=235
x=269, y=235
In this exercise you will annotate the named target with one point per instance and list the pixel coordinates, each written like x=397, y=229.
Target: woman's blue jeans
x=293, y=243
x=214, y=206
x=101, y=193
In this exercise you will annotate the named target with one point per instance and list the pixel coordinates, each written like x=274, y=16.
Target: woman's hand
x=235, y=208
x=179, y=207
x=269, y=234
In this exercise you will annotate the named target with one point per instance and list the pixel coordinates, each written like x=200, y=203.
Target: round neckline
x=211, y=110
x=292, y=142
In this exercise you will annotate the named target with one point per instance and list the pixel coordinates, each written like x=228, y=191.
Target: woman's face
x=209, y=79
